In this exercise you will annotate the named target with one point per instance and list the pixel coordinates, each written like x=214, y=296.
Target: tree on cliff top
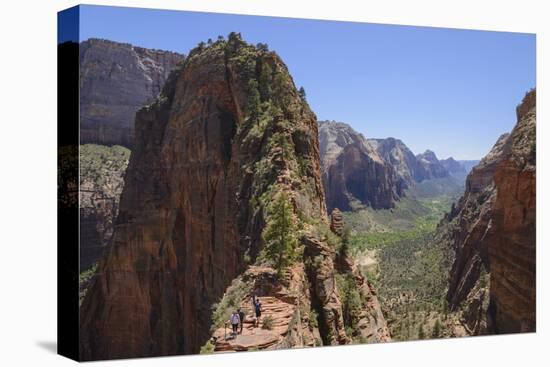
x=280, y=232
x=302, y=93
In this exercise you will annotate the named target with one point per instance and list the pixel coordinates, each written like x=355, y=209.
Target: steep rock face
x=512, y=249
x=492, y=230
x=431, y=164
x=116, y=79
x=228, y=134
x=101, y=181
x=454, y=167
x=466, y=228
x=407, y=167
x=353, y=171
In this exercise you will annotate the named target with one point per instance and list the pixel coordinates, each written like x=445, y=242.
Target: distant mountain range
x=376, y=172
x=469, y=164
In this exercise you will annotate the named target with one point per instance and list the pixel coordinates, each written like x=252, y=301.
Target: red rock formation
x=209, y=155
x=469, y=223
x=492, y=231
x=286, y=306
x=512, y=246
x=337, y=222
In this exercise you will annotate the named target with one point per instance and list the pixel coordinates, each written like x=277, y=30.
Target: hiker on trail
x=258, y=310
x=235, y=320
x=241, y=318
x=253, y=301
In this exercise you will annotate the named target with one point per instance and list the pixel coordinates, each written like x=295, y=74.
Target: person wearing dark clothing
x=253, y=301
x=241, y=319
x=258, y=311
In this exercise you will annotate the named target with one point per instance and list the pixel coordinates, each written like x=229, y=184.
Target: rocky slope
x=492, y=231
x=116, y=79
x=322, y=300
x=353, y=171
x=228, y=146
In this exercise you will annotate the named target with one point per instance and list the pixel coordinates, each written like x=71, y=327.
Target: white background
x=28, y=182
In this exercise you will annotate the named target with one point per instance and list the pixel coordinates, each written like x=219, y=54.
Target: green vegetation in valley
x=411, y=266
x=438, y=187
x=412, y=282
x=411, y=218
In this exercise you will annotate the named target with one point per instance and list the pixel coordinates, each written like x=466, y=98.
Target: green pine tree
x=346, y=236
x=253, y=105
x=302, y=93
x=280, y=232
x=265, y=79
x=262, y=47
x=280, y=89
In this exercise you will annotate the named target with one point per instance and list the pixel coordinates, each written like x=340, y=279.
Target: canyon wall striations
x=492, y=231
x=117, y=79
x=228, y=138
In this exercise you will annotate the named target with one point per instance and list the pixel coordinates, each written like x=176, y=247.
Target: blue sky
x=448, y=90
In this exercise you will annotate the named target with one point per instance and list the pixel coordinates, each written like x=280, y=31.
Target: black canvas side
x=68, y=184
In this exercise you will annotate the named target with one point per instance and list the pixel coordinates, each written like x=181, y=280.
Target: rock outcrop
x=492, y=231
x=228, y=144
x=116, y=79
x=353, y=171
x=337, y=222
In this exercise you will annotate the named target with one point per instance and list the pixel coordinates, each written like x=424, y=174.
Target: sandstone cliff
x=227, y=140
x=354, y=173
x=432, y=166
x=407, y=167
x=116, y=79
x=374, y=172
x=492, y=231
